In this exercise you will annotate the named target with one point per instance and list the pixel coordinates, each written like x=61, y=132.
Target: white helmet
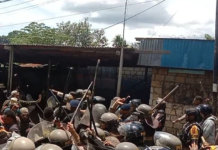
x=126, y=146
x=21, y=143
x=48, y=147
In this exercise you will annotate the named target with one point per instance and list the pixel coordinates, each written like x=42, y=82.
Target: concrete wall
x=164, y=81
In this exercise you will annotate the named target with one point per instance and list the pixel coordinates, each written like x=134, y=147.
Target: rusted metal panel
x=150, y=59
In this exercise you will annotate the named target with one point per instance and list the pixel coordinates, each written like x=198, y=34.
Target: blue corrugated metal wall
x=184, y=53
x=188, y=54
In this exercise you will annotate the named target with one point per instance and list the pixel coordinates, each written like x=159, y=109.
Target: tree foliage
x=4, y=39
x=66, y=33
x=117, y=41
x=208, y=37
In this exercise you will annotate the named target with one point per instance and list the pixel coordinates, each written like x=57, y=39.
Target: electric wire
x=133, y=16
x=77, y=14
x=32, y=6
x=17, y=4
x=167, y=22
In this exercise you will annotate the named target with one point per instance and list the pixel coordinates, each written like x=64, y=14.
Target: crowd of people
x=84, y=123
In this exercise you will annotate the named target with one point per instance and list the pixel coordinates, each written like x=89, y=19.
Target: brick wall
x=163, y=82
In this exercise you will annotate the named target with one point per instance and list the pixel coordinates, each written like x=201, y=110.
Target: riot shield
x=85, y=120
x=40, y=131
x=31, y=107
x=167, y=140
x=76, y=120
x=51, y=102
x=97, y=111
x=2, y=145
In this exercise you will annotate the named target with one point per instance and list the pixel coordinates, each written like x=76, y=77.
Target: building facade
x=189, y=63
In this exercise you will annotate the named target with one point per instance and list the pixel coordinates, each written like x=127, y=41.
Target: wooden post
x=9, y=74
x=12, y=66
x=48, y=78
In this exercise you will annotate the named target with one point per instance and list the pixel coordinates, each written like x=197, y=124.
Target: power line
x=134, y=15
x=37, y=5
x=76, y=14
x=16, y=4
x=3, y=1
x=34, y=7
x=166, y=22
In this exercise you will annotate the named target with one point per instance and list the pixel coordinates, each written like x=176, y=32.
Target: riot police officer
x=49, y=147
x=160, y=114
x=133, y=132
x=208, y=125
x=187, y=138
x=150, y=124
x=126, y=146
x=109, y=122
x=21, y=143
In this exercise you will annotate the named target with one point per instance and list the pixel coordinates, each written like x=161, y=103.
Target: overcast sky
x=193, y=18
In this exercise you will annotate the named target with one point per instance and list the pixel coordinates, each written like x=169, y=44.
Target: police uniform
x=187, y=137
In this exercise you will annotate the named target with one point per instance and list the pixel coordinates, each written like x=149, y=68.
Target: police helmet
x=111, y=121
x=157, y=148
x=133, y=132
x=126, y=146
x=167, y=140
x=145, y=110
x=135, y=102
x=205, y=109
x=106, y=117
x=49, y=147
x=21, y=143
x=191, y=111
x=59, y=136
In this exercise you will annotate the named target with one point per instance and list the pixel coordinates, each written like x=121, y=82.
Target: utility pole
x=121, y=55
x=215, y=71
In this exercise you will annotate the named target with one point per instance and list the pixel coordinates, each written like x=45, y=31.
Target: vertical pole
x=215, y=72
x=121, y=56
x=12, y=66
x=9, y=74
x=48, y=78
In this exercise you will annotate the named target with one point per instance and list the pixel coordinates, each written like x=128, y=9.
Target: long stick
x=93, y=92
x=59, y=104
x=166, y=96
x=74, y=114
x=202, y=88
x=65, y=90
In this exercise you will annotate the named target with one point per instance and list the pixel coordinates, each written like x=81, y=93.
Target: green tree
x=208, y=37
x=34, y=33
x=117, y=41
x=99, y=38
x=66, y=33
x=81, y=34
x=4, y=39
